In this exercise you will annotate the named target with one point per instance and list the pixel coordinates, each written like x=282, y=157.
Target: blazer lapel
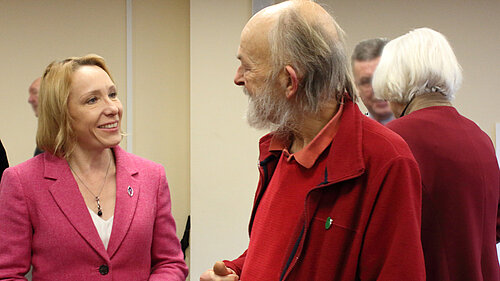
x=70, y=201
x=126, y=199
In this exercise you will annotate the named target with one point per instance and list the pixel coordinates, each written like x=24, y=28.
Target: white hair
x=316, y=49
x=418, y=62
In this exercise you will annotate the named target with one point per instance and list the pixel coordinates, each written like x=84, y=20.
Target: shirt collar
x=307, y=156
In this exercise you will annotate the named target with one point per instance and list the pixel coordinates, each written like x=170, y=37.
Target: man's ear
x=293, y=81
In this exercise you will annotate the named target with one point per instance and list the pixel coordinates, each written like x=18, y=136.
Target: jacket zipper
x=290, y=263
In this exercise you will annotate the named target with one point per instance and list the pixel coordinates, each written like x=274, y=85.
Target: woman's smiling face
x=95, y=109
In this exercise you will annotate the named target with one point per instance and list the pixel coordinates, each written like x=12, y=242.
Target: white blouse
x=103, y=227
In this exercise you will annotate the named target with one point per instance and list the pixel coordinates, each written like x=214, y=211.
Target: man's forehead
x=254, y=45
x=36, y=83
x=33, y=89
x=246, y=56
x=366, y=66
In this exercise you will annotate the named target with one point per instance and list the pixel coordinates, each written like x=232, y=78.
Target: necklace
x=97, y=197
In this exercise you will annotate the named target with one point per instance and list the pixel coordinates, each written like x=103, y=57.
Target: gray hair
x=368, y=49
x=418, y=62
x=315, y=53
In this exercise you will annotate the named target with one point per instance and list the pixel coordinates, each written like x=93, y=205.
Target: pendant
x=99, y=211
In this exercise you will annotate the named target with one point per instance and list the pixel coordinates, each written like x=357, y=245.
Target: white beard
x=269, y=111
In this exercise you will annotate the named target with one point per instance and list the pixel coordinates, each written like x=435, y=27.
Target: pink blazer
x=44, y=222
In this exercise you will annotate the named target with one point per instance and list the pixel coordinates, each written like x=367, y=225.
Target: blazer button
x=103, y=269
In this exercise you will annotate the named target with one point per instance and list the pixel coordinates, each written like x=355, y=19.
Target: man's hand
x=219, y=273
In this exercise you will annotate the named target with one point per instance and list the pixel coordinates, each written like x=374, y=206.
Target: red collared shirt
x=307, y=156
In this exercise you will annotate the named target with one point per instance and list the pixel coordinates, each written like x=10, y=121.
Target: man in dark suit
x=4, y=163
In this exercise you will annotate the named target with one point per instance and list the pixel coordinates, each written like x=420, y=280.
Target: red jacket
x=372, y=192
x=460, y=181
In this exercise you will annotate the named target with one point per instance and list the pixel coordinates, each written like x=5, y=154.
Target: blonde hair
x=55, y=134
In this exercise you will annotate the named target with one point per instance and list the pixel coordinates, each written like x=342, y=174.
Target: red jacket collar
x=346, y=154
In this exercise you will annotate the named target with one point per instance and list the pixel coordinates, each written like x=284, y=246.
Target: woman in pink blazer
x=86, y=209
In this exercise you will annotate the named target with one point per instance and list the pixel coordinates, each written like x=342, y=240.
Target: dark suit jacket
x=4, y=163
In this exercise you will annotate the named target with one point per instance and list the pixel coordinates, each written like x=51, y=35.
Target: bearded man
x=339, y=195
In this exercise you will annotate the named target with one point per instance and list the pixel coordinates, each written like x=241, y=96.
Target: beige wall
x=223, y=148
x=34, y=33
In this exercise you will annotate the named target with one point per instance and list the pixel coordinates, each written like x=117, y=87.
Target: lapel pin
x=328, y=223
x=130, y=191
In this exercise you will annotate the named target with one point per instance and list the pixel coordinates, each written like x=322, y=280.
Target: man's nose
x=238, y=78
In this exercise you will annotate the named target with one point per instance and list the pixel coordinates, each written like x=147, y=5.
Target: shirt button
x=103, y=269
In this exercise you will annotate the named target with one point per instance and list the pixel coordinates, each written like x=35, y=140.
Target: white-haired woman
x=419, y=74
